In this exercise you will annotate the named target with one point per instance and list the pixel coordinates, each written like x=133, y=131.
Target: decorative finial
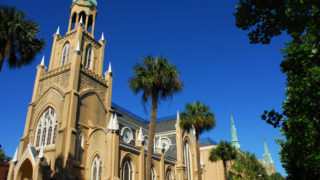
x=15, y=156
x=110, y=125
x=140, y=136
x=81, y=21
x=58, y=31
x=42, y=61
x=109, y=68
x=178, y=118
x=115, y=122
x=102, y=37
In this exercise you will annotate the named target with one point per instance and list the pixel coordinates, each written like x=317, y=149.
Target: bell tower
x=71, y=102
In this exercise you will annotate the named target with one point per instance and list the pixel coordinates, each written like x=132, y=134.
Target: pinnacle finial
x=110, y=125
x=109, y=68
x=42, y=61
x=140, y=136
x=81, y=21
x=178, y=118
x=267, y=159
x=115, y=122
x=15, y=156
x=58, y=31
x=102, y=37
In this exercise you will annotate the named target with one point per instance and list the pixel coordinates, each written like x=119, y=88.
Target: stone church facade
x=74, y=131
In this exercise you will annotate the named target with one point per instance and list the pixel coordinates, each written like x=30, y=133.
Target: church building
x=73, y=130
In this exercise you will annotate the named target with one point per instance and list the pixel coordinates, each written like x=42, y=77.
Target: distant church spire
x=267, y=159
x=234, y=137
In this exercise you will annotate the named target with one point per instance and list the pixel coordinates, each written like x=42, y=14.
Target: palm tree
x=18, y=43
x=155, y=78
x=199, y=117
x=225, y=152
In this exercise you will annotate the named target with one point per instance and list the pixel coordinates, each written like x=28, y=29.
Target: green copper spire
x=267, y=159
x=87, y=2
x=234, y=137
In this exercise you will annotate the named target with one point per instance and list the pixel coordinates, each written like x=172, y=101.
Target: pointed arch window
x=46, y=128
x=79, y=147
x=88, y=57
x=96, y=168
x=169, y=175
x=65, y=54
x=127, y=170
x=187, y=160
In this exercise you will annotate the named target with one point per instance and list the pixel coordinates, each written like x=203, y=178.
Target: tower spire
x=267, y=159
x=234, y=136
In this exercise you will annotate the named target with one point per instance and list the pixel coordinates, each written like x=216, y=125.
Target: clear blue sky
x=217, y=64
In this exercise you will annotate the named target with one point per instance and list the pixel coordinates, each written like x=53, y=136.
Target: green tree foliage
x=199, y=117
x=155, y=78
x=3, y=157
x=300, y=120
x=18, y=42
x=248, y=165
x=225, y=152
x=276, y=176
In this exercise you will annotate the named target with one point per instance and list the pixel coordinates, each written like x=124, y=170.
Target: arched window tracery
x=127, y=170
x=48, y=121
x=187, y=160
x=88, y=57
x=169, y=175
x=96, y=168
x=65, y=54
x=79, y=147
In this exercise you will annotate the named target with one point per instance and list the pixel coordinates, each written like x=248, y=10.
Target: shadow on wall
x=60, y=172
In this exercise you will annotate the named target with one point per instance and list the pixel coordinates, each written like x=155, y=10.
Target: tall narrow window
x=88, y=57
x=169, y=175
x=79, y=147
x=96, y=168
x=45, y=136
x=65, y=54
x=187, y=160
x=127, y=170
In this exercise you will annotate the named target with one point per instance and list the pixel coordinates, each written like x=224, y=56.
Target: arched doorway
x=25, y=171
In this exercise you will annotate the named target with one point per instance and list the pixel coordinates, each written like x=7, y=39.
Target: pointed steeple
x=178, y=119
x=15, y=156
x=267, y=159
x=140, y=136
x=234, y=136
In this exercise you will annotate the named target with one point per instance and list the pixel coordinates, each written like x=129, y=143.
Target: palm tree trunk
x=225, y=170
x=198, y=156
x=154, y=109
